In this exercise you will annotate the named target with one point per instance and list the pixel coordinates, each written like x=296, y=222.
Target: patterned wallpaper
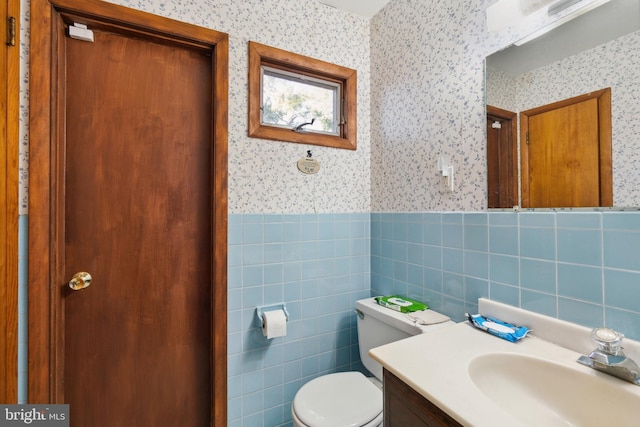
x=23, y=130
x=263, y=177
x=427, y=66
x=418, y=90
x=420, y=95
x=616, y=65
x=501, y=89
x=427, y=89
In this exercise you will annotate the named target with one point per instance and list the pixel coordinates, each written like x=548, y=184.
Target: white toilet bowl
x=349, y=399
x=345, y=399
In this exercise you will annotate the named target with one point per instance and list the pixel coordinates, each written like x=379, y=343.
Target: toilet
x=350, y=399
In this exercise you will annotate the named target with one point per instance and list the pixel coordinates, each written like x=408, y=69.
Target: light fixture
x=507, y=13
x=557, y=8
x=560, y=6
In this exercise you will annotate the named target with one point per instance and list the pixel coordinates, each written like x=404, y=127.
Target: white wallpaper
x=420, y=70
x=427, y=90
x=263, y=177
x=427, y=67
x=23, y=131
x=417, y=99
x=501, y=89
x=616, y=65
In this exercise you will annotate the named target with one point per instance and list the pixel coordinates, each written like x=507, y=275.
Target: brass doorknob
x=80, y=280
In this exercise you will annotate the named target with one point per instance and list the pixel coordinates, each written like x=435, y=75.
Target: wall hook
x=446, y=169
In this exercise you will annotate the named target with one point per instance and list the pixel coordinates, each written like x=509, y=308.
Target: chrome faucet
x=609, y=358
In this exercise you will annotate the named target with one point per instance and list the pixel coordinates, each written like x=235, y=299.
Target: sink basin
x=543, y=393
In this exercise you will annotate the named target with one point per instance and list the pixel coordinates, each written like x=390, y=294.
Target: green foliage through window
x=290, y=100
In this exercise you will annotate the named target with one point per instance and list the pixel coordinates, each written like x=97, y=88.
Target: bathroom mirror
x=595, y=51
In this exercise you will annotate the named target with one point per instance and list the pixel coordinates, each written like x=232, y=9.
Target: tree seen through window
x=290, y=102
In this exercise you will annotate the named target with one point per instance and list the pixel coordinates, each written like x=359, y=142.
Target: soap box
x=401, y=304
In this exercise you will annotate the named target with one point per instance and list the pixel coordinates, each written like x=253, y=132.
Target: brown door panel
x=566, y=153
x=502, y=158
x=129, y=145
x=138, y=218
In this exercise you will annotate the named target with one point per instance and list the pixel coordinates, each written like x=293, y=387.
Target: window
x=296, y=101
x=300, y=99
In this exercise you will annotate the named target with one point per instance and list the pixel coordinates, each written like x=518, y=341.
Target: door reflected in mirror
x=566, y=153
x=502, y=158
x=522, y=79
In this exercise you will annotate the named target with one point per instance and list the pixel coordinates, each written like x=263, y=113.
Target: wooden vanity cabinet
x=403, y=406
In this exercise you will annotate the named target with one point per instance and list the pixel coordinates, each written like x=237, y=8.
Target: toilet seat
x=344, y=399
x=377, y=422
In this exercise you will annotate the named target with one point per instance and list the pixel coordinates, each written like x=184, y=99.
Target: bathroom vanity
x=460, y=375
x=403, y=406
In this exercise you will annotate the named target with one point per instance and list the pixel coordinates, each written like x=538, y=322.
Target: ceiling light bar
x=560, y=6
x=557, y=8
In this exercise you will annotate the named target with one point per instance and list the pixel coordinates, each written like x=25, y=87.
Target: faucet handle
x=608, y=340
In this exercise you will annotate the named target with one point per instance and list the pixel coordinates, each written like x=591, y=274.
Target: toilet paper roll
x=274, y=324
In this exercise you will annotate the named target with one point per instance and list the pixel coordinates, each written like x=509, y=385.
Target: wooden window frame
x=262, y=55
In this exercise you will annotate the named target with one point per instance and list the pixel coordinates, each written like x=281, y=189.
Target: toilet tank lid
x=340, y=399
x=369, y=306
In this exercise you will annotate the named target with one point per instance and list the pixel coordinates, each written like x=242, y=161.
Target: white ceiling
x=366, y=8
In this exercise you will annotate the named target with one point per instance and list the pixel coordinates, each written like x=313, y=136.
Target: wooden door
x=9, y=101
x=138, y=195
x=566, y=153
x=138, y=219
x=502, y=158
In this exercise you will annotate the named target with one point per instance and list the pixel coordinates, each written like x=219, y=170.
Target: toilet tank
x=379, y=325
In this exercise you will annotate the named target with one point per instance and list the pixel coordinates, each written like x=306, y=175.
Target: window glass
x=291, y=100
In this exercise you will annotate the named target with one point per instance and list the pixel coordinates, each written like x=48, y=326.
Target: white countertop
x=435, y=364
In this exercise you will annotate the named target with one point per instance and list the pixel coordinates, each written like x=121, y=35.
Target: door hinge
x=527, y=137
x=11, y=31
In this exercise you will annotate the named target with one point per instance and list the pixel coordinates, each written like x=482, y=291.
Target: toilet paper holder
x=260, y=310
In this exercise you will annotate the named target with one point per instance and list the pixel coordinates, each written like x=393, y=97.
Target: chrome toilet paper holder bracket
x=260, y=310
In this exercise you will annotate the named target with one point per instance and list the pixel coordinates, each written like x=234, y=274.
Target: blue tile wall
x=319, y=265
x=23, y=332
x=582, y=267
